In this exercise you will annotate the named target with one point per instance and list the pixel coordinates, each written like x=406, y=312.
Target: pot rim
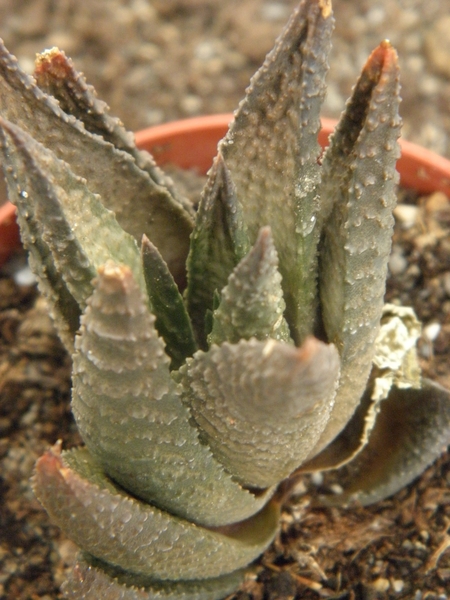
x=420, y=169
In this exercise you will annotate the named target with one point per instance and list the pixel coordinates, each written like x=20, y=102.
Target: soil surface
x=170, y=59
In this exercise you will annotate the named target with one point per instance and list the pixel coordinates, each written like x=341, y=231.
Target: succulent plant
x=218, y=353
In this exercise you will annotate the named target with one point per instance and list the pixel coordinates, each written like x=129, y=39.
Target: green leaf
x=172, y=320
x=123, y=391
x=261, y=406
x=65, y=227
x=252, y=303
x=92, y=579
x=218, y=242
x=114, y=527
x=56, y=75
x=271, y=150
x=359, y=182
x=141, y=205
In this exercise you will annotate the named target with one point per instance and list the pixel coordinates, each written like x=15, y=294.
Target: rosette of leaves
x=220, y=351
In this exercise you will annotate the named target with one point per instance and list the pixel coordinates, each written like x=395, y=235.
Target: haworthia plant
x=217, y=353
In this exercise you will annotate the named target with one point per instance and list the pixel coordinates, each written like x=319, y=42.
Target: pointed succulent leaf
x=172, y=320
x=349, y=443
x=395, y=363
x=411, y=430
x=122, y=390
x=78, y=233
x=218, y=242
x=141, y=205
x=92, y=579
x=261, y=406
x=114, y=527
x=63, y=307
x=271, y=150
x=56, y=75
x=359, y=180
x=252, y=303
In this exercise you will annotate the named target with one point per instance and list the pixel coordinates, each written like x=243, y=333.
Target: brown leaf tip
x=49, y=463
x=326, y=8
x=383, y=58
x=114, y=278
x=52, y=61
x=310, y=347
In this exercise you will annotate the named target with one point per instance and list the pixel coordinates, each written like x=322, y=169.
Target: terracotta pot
x=192, y=143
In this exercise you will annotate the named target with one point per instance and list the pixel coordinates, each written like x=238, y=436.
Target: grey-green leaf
x=114, y=527
x=218, y=242
x=92, y=579
x=271, y=150
x=141, y=205
x=56, y=75
x=172, y=320
x=358, y=187
x=67, y=224
x=261, y=406
x=123, y=390
x=252, y=303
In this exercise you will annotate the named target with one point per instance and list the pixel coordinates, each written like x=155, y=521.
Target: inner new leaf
x=218, y=243
x=252, y=303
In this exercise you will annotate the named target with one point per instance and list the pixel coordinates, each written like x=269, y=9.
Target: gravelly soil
x=167, y=59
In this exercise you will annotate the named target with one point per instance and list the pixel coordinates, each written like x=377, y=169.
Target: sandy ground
x=169, y=59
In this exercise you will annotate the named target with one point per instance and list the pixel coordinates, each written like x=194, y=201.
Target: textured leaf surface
x=261, y=406
x=395, y=363
x=172, y=320
x=218, y=242
x=112, y=526
x=56, y=75
x=140, y=205
x=410, y=432
x=122, y=390
x=65, y=226
x=359, y=181
x=252, y=303
x=271, y=150
x=91, y=580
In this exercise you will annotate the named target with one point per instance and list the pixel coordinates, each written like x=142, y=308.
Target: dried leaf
x=411, y=430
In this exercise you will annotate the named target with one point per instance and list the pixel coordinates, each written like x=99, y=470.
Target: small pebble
x=381, y=584
x=397, y=262
x=336, y=489
x=431, y=331
x=398, y=585
x=407, y=214
x=24, y=276
x=317, y=478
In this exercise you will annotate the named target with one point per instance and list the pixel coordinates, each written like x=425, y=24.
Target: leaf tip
x=326, y=8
